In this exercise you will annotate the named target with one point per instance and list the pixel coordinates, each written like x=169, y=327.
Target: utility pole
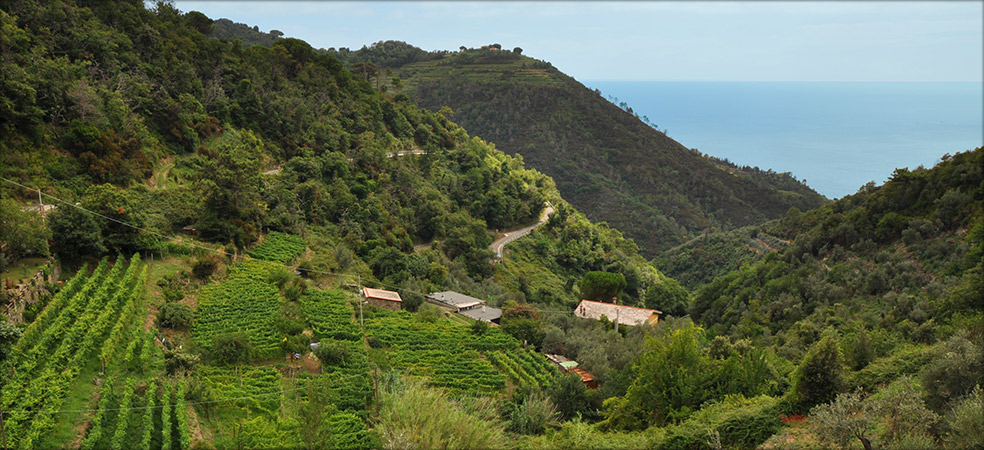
x=40, y=209
x=618, y=312
x=362, y=324
x=3, y=430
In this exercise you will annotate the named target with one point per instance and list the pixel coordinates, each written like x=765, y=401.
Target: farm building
x=624, y=315
x=569, y=366
x=383, y=299
x=465, y=305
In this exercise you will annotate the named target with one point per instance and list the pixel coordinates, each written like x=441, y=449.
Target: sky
x=660, y=40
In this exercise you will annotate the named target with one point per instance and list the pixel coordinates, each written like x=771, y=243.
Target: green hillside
x=605, y=160
x=202, y=157
x=218, y=205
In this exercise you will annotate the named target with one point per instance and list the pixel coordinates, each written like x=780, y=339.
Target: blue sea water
x=835, y=135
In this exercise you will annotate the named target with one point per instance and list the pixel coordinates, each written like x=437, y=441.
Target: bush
x=203, y=268
x=533, y=414
x=963, y=424
x=295, y=344
x=177, y=360
x=479, y=327
x=175, y=316
x=573, y=399
x=231, y=348
x=331, y=353
x=736, y=422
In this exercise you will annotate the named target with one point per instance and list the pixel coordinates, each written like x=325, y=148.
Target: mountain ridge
x=604, y=159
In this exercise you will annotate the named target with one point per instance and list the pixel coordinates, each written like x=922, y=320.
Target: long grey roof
x=484, y=313
x=454, y=298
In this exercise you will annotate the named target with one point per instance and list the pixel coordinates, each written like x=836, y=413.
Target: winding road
x=498, y=244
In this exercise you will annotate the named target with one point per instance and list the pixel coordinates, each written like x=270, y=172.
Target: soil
x=193, y=426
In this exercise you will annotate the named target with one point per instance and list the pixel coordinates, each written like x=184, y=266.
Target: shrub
x=178, y=360
x=963, y=424
x=172, y=293
x=203, y=268
x=331, y=353
x=479, y=327
x=573, y=399
x=736, y=422
x=415, y=416
x=175, y=316
x=533, y=414
x=231, y=348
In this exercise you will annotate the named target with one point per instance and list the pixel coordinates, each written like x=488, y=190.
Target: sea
x=837, y=136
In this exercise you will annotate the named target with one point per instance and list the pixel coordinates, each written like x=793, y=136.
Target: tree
x=902, y=407
x=22, y=232
x=820, y=376
x=517, y=50
x=119, y=205
x=672, y=379
x=845, y=418
x=601, y=286
x=667, y=296
x=954, y=372
x=860, y=353
x=230, y=184
x=523, y=323
x=75, y=233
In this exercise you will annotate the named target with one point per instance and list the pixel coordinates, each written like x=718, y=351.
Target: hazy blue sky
x=691, y=41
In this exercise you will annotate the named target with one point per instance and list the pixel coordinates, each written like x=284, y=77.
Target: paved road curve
x=498, y=244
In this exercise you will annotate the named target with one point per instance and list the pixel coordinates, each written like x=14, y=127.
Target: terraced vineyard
x=445, y=352
x=524, y=366
x=331, y=319
x=279, y=247
x=135, y=415
x=88, y=317
x=245, y=302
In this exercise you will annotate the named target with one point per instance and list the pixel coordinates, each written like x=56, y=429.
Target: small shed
x=569, y=366
x=382, y=298
x=624, y=315
x=589, y=380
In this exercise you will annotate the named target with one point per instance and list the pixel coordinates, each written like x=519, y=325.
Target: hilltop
x=604, y=159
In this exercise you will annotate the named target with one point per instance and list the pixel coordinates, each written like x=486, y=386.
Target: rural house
x=624, y=315
x=465, y=305
x=383, y=299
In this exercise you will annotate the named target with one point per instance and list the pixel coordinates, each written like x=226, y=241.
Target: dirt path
x=498, y=244
x=766, y=245
x=159, y=179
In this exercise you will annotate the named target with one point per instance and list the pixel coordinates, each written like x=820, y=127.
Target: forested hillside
x=200, y=156
x=605, y=160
